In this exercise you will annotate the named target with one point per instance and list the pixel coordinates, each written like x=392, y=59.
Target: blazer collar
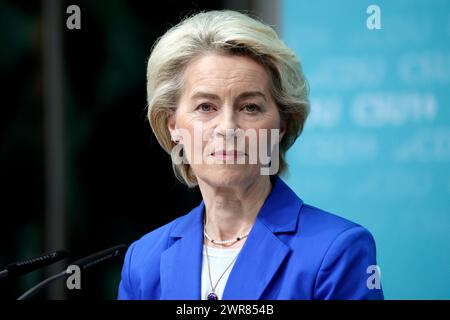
x=260, y=257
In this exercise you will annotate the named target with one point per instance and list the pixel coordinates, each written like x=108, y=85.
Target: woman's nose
x=227, y=123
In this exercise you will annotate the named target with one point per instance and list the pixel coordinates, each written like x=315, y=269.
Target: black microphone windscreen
x=101, y=256
x=19, y=268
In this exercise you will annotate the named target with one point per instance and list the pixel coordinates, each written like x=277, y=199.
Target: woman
x=227, y=98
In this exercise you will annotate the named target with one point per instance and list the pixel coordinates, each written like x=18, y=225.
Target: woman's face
x=225, y=99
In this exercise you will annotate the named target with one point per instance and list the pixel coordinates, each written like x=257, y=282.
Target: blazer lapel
x=258, y=261
x=263, y=252
x=181, y=263
x=261, y=256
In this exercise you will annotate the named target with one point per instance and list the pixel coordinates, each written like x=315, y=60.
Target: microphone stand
x=42, y=284
x=83, y=264
x=3, y=274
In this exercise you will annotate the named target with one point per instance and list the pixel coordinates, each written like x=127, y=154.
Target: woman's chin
x=228, y=175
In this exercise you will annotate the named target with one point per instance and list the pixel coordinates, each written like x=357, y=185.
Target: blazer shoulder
x=326, y=225
x=157, y=239
x=141, y=267
x=343, y=252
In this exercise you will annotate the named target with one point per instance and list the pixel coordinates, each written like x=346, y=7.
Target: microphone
x=83, y=264
x=20, y=268
x=96, y=258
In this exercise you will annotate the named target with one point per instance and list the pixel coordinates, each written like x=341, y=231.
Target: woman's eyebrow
x=251, y=94
x=241, y=96
x=200, y=94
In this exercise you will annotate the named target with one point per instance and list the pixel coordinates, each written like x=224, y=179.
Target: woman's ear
x=282, y=130
x=171, y=125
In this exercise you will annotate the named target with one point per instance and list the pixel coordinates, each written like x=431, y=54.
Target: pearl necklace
x=225, y=241
x=213, y=295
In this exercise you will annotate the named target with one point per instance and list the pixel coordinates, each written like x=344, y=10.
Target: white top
x=219, y=260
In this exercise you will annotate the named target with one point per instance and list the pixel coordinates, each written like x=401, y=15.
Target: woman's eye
x=205, y=107
x=251, y=108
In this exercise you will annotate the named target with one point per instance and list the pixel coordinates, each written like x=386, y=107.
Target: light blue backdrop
x=376, y=148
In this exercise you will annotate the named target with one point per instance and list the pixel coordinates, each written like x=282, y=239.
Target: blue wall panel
x=376, y=147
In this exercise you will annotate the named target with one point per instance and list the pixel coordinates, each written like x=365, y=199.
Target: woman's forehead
x=223, y=71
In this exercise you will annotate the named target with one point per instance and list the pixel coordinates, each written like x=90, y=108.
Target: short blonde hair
x=224, y=32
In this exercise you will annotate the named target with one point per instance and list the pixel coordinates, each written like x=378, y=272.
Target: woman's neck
x=231, y=212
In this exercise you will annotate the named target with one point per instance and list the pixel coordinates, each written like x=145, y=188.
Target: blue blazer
x=294, y=251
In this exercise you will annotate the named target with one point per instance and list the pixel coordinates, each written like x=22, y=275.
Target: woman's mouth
x=227, y=155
